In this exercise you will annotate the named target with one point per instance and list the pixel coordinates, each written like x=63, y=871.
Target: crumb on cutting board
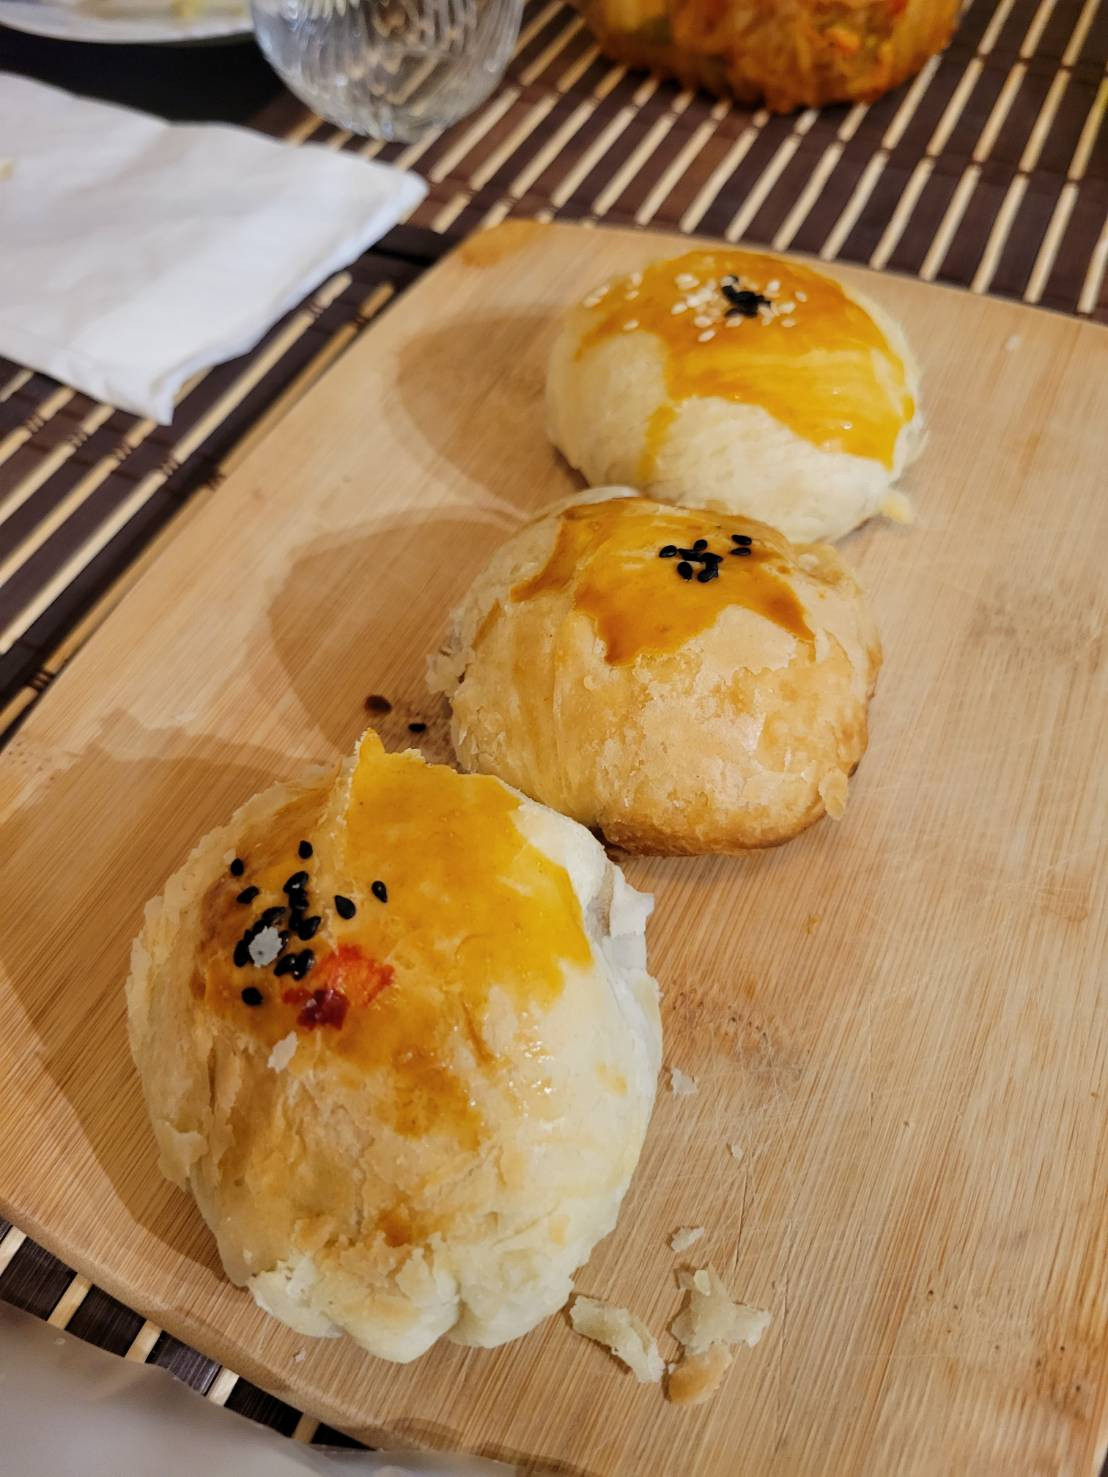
x=735, y=1150
x=708, y=1328
x=897, y=508
x=685, y=1236
x=680, y=1083
x=622, y=1334
x=698, y=1376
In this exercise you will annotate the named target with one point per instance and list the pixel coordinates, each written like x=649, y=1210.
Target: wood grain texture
x=900, y=1018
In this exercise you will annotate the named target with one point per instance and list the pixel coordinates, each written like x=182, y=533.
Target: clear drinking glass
x=391, y=68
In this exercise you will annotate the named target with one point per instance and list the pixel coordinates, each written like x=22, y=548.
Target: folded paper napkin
x=135, y=252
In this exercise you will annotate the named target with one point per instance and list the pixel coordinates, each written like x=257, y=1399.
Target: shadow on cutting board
x=69, y=976
x=359, y=613
x=474, y=390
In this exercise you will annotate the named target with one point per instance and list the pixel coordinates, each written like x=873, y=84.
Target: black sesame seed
x=710, y=558
x=344, y=907
x=669, y=552
x=270, y=917
x=380, y=892
x=741, y=538
x=687, y=553
x=743, y=301
x=684, y=570
x=701, y=543
x=285, y=965
x=238, y=867
x=241, y=955
x=741, y=550
x=248, y=894
x=417, y=728
x=297, y=881
x=304, y=850
x=301, y=963
x=252, y=996
x=711, y=573
x=307, y=929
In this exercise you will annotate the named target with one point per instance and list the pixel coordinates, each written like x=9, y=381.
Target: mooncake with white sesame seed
x=742, y=382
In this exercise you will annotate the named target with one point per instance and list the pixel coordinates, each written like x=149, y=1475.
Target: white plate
x=126, y=21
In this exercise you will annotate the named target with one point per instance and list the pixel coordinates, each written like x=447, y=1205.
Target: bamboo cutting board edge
x=301, y=422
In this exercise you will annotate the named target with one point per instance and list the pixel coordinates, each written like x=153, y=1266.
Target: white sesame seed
x=629, y=297
x=264, y=947
x=591, y=301
x=630, y=325
x=635, y=279
x=706, y=335
x=787, y=307
x=773, y=286
x=686, y=282
x=735, y=321
x=701, y=321
x=801, y=297
x=679, y=308
x=788, y=322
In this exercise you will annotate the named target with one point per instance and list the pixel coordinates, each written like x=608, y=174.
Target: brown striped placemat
x=32, y=1279
x=989, y=171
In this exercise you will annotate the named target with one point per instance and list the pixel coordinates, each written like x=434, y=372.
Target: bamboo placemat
x=989, y=171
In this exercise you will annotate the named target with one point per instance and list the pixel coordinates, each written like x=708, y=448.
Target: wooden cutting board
x=899, y=1020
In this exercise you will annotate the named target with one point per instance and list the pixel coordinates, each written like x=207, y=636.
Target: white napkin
x=135, y=252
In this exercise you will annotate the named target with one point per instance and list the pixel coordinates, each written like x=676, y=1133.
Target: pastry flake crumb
x=708, y=1328
x=685, y=1236
x=626, y=1337
x=1012, y=343
x=735, y=1150
x=681, y=1084
x=897, y=508
x=300, y=1356
x=698, y=1376
x=283, y=1052
x=832, y=791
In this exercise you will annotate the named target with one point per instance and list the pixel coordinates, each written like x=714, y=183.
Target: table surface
x=989, y=172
